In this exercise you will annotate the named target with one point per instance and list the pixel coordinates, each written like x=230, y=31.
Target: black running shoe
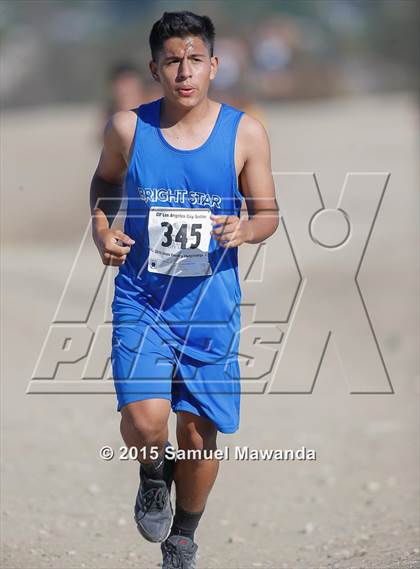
x=179, y=552
x=153, y=509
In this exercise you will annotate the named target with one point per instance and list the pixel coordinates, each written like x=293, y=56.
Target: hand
x=106, y=241
x=233, y=231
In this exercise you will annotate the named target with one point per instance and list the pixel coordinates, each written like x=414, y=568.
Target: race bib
x=179, y=240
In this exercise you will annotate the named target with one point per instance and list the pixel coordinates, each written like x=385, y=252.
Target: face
x=184, y=69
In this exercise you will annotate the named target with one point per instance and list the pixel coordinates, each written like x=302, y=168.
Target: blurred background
x=335, y=82
x=62, y=52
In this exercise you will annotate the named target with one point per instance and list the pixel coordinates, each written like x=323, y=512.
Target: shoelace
x=177, y=557
x=154, y=499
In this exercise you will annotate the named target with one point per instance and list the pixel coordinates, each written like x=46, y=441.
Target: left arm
x=257, y=186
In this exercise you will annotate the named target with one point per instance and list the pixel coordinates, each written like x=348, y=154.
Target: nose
x=184, y=69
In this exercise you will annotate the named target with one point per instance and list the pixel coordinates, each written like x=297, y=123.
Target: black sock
x=185, y=523
x=155, y=469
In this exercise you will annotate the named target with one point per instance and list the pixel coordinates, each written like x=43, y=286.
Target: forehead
x=179, y=46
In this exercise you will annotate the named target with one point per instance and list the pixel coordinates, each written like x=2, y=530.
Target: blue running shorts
x=146, y=367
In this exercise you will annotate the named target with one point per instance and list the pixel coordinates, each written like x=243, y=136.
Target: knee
x=196, y=434
x=149, y=431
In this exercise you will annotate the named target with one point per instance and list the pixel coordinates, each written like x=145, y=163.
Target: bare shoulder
x=119, y=131
x=252, y=136
x=251, y=128
x=252, y=139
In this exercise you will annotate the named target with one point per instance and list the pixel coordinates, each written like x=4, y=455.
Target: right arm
x=106, y=189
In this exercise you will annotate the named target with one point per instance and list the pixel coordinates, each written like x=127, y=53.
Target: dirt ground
x=356, y=506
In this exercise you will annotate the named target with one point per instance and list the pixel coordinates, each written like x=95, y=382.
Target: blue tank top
x=200, y=314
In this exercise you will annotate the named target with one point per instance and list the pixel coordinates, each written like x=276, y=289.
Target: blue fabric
x=147, y=368
x=198, y=317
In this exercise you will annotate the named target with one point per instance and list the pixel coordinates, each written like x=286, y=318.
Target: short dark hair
x=179, y=25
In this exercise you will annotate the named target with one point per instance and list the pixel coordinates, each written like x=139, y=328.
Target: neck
x=172, y=114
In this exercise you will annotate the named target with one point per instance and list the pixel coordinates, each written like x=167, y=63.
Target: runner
x=186, y=162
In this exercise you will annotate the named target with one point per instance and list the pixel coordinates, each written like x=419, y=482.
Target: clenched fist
x=111, y=253
x=230, y=230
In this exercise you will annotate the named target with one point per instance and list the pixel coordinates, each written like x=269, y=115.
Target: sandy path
x=355, y=506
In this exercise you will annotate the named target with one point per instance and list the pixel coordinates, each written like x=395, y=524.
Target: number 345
x=181, y=235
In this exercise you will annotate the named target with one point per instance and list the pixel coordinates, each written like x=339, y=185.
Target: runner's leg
x=194, y=478
x=145, y=424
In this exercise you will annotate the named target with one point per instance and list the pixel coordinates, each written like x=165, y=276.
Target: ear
x=153, y=71
x=214, y=64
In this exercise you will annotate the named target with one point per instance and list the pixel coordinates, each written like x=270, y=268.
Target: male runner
x=176, y=310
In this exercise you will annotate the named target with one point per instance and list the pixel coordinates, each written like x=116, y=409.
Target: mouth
x=185, y=91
